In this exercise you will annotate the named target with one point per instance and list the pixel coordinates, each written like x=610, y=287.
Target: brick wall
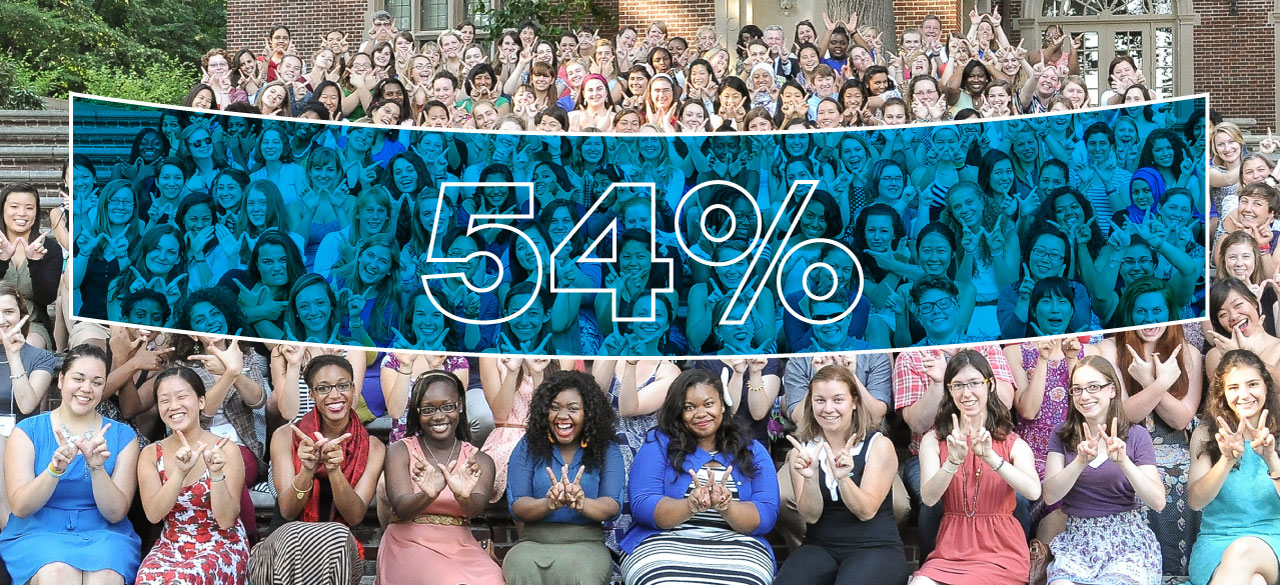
x=249, y=22
x=683, y=17
x=1240, y=51
x=910, y=13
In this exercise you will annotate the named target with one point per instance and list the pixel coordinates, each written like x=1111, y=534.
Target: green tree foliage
x=144, y=49
x=552, y=16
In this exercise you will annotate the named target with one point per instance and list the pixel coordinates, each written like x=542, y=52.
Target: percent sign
x=756, y=248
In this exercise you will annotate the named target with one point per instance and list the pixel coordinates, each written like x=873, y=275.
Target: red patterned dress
x=192, y=550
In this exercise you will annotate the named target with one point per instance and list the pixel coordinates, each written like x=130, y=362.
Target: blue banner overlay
x=640, y=244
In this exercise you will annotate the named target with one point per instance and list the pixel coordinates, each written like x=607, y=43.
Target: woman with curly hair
x=1233, y=461
x=564, y=478
x=709, y=528
x=1165, y=151
x=974, y=437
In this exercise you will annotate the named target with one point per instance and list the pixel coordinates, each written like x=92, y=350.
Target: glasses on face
x=826, y=316
x=448, y=408
x=1088, y=389
x=1047, y=254
x=943, y=304
x=206, y=141
x=973, y=385
x=1131, y=262
x=341, y=387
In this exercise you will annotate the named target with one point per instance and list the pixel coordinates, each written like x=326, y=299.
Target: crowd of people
x=1108, y=459
x=927, y=235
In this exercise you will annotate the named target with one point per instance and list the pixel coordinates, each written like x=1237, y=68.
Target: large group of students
x=131, y=453
x=934, y=235
x=1107, y=460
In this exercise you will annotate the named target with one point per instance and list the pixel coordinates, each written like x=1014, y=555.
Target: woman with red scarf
x=326, y=469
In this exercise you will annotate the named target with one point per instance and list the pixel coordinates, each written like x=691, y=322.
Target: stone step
x=30, y=176
x=31, y=118
x=34, y=151
x=14, y=132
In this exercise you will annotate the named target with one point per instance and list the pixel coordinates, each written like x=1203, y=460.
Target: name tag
x=7, y=422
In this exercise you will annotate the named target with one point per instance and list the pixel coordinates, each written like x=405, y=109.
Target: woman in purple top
x=1112, y=466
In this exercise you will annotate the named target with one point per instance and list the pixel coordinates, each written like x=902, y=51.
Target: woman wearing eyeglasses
x=565, y=477
x=1049, y=255
x=979, y=540
x=436, y=481
x=1160, y=370
x=326, y=468
x=935, y=304
x=1233, y=470
x=1111, y=475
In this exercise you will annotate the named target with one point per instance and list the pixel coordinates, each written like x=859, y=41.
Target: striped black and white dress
x=703, y=550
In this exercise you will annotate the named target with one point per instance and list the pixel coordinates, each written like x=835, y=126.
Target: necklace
x=970, y=507
x=76, y=438
x=431, y=453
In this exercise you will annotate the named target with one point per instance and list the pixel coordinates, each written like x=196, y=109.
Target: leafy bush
x=120, y=48
x=16, y=91
x=163, y=81
x=552, y=16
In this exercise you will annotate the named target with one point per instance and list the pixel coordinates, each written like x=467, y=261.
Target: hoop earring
x=583, y=443
x=551, y=438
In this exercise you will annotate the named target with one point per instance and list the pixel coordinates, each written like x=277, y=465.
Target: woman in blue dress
x=71, y=474
x=1235, y=476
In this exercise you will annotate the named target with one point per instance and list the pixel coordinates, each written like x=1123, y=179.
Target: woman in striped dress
x=703, y=495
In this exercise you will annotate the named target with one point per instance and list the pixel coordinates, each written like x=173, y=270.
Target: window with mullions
x=1056, y=8
x=427, y=18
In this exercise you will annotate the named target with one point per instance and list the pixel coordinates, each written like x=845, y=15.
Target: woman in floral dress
x=193, y=480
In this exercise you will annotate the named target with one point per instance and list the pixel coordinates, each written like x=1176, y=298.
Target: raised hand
x=95, y=449
x=935, y=366
x=980, y=442
x=331, y=453
x=1263, y=443
x=1169, y=369
x=1143, y=371
x=574, y=498
x=699, y=499
x=1087, y=448
x=64, y=455
x=1269, y=144
x=14, y=340
x=841, y=461
x=7, y=248
x=1116, y=449
x=556, y=493
x=463, y=478
x=721, y=495
x=805, y=461
x=1230, y=442
x=214, y=459
x=308, y=454
x=36, y=250
x=428, y=478
x=957, y=443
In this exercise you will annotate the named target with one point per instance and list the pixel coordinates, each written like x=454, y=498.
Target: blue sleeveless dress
x=1247, y=505
x=69, y=529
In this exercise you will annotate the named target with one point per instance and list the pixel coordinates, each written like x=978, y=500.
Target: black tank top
x=838, y=527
